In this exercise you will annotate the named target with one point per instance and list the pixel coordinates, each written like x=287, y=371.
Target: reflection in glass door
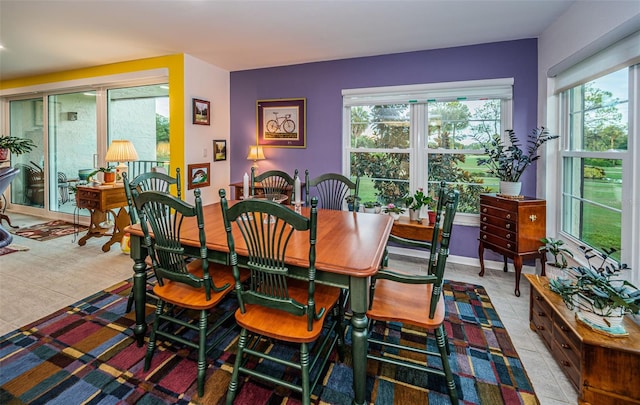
x=73, y=145
x=26, y=120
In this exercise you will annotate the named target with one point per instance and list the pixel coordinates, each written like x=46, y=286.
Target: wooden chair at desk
x=149, y=181
x=199, y=285
x=273, y=182
x=275, y=306
x=332, y=189
x=416, y=299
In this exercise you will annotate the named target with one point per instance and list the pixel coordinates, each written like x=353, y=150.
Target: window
x=399, y=139
x=596, y=160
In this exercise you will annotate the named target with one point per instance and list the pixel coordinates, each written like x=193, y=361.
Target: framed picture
x=219, y=150
x=201, y=112
x=282, y=123
x=198, y=175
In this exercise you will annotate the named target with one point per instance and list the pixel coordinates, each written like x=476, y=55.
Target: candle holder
x=297, y=206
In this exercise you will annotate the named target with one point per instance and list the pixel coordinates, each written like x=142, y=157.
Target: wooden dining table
x=349, y=250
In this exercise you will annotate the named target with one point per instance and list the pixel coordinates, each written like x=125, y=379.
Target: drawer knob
x=538, y=298
x=508, y=245
x=564, y=328
x=541, y=314
x=565, y=346
x=566, y=363
x=484, y=209
x=484, y=236
x=484, y=227
x=508, y=216
x=508, y=236
x=508, y=226
x=484, y=219
x=540, y=327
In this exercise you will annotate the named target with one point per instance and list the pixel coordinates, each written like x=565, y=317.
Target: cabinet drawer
x=499, y=213
x=499, y=242
x=566, y=341
x=505, y=204
x=567, y=366
x=500, y=232
x=88, y=204
x=541, y=318
x=88, y=195
x=499, y=222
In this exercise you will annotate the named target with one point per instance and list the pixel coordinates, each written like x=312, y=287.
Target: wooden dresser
x=513, y=228
x=102, y=201
x=604, y=370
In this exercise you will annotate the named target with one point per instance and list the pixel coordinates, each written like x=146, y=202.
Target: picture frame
x=201, y=112
x=282, y=123
x=219, y=150
x=198, y=175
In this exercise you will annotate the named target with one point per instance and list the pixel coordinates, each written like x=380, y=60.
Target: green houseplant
x=508, y=162
x=555, y=248
x=15, y=145
x=415, y=203
x=601, y=299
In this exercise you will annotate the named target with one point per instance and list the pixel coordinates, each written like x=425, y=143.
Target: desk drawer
x=510, y=245
x=499, y=222
x=567, y=366
x=541, y=318
x=566, y=341
x=511, y=216
x=500, y=232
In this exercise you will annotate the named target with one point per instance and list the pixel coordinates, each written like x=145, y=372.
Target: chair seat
x=194, y=298
x=282, y=325
x=406, y=303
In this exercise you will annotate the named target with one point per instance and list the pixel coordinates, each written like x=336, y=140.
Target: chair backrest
x=137, y=167
x=272, y=181
x=150, y=181
x=332, y=189
x=164, y=248
x=6, y=177
x=267, y=228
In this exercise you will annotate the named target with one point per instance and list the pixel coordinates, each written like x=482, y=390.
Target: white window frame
x=418, y=96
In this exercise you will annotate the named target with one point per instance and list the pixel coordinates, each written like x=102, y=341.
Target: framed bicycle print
x=282, y=123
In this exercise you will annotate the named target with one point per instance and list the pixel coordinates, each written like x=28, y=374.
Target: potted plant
x=507, y=163
x=415, y=203
x=555, y=249
x=371, y=207
x=393, y=210
x=15, y=145
x=109, y=174
x=352, y=202
x=601, y=301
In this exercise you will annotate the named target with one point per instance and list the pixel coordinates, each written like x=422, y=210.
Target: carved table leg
x=517, y=262
x=481, y=256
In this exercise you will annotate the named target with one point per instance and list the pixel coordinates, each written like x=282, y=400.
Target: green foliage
x=559, y=253
x=509, y=162
x=162, y=128
x=16, y=145
x=592, y=287
x=418, y=200
x=592, y=172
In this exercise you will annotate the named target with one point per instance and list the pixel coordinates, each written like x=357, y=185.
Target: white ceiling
x=43, y=36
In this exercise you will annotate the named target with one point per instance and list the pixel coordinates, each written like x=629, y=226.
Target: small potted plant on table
x=352, y=202
x=15, y=145
x=415, y=203
x=393, y=210
x=555, y=249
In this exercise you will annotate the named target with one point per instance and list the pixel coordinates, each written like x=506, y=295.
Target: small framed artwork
x=201, y=112
x=219, y=150
x=282, y=123
x=198, y=175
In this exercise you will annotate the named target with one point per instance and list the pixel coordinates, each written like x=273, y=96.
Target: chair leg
x=304, y=363
x=233, y=384
x=338, y=313
x=130, y=302
x=442, y=347
x=152, y=336
x=202, y=352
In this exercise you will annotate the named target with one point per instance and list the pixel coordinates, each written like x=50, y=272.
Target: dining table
x=350, y=247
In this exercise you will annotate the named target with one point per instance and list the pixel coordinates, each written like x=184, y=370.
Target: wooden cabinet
x=513, y=228
x=603, y=369
x=407, y=229
x=102, y=201
x=239, y=188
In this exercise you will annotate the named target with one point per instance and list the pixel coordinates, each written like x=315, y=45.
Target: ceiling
x=44, y=36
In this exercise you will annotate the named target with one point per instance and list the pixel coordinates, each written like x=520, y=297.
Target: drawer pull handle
x=508, y=216
x=508, y=236
x=538, y=298
x=566, y=363
x=484, y=209
x=484, y=236
x=484, y=227
x=484, y=219
x=563, y=328
x=533, y=217
x=541, y=314
x=565, y=346
x=508, y=226
x=508, y=245
x=540, y=327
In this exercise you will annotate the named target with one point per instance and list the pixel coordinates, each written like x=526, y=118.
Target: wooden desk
x=407, y=229
x=349, y=250
x=239, y=190
x=101, y=201
x=603, y=369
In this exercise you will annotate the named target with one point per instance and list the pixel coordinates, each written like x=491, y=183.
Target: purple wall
x=322, y=82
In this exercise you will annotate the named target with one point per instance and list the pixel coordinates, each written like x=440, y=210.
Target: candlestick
x=296, y=183
x=245, y=186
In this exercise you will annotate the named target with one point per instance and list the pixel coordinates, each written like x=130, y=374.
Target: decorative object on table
x=201, y=112
x=282, y=123
x=353, y=203
x=255, y=153
x=554, y=247
x=108, y=175
x=49, y=230
x=219, y=150
x=15, y=145
x=501, y=375
x=415, y=202
x=245, y=186
x=393, y=210
x=507, y=163
x=600, y=300
x=121, y=151
x=372, y=207
x=198, y=175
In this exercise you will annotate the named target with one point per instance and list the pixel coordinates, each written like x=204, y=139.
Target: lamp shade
x=121, y=151
x=255, y=153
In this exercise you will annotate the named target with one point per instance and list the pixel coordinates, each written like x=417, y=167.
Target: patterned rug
x=85, y=353
x=12, y=248
x=49, y=230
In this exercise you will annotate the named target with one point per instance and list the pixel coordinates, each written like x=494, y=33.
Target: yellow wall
x=173, y=63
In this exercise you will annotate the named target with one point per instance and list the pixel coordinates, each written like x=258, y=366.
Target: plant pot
x=352, y=207
x=395, y=215
x=414, y=215
x=371, y=210
x=109, y=177
x=4, y=154
x=510, y=188
x=432, y=217
x=377, y=209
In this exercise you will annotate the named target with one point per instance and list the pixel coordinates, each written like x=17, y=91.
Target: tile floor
x=57, y=273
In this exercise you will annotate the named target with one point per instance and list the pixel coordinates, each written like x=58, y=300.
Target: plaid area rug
x=49, y=230
x=85, y=353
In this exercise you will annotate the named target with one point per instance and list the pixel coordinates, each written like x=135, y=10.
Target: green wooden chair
x=197, y=285
x=274, y=306
x=149, y=181
x=273, y=181
x=416, y=299
x=332, y=189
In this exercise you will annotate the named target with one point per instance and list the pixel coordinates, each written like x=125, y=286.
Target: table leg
x=505, y=268
x=543, y=258
x=95, y=230
x=138, y=253
x=359, y=337
x=121, y=221
x=481, y=256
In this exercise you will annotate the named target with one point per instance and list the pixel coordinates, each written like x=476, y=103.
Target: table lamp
x=255, y=153
x=121, y=151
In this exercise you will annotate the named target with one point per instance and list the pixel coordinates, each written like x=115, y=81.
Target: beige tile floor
x=57, y=273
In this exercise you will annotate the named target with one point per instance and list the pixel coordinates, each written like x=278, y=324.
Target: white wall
x=206, y=82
